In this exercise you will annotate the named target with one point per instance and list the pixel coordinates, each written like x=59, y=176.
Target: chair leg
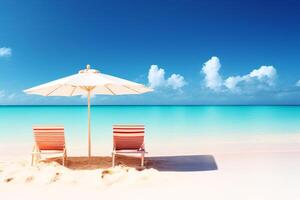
x=32, y=158
x=34, y=154
x=142, y=159
x=113, y=155
x=35, y=158
x=66, y=157
x=63, y=159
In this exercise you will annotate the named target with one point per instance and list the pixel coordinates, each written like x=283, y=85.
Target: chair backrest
x=49, y=137
x=128, y=137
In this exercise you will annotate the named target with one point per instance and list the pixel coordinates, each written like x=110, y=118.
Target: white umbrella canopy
x=88, y=82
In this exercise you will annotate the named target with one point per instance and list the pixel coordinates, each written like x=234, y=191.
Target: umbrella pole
x=89, y=122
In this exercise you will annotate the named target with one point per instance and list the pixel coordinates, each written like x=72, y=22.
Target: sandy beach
x=223, y=171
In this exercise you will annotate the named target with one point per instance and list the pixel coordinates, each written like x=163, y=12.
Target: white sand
x=241, y=170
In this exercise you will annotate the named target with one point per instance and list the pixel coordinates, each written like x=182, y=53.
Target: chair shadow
x=182, y=163
x=83, y=163
x=96, y=162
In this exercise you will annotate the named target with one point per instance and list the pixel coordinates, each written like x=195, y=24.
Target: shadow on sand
x=183, y=163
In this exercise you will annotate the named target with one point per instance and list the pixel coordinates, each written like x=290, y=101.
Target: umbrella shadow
x=96, y=162
x=183, y=163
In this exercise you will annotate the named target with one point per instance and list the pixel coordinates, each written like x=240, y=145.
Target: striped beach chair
x=48, y=139
x=128, y=139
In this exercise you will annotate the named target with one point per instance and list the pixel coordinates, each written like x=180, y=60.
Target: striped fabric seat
x=48, y=139
x=128, y=139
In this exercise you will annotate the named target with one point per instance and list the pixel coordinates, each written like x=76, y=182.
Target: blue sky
x=199, y=52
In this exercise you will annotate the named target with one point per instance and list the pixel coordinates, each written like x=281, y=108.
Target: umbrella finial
x=88, y=66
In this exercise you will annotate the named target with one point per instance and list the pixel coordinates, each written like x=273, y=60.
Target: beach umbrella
x=88, y=82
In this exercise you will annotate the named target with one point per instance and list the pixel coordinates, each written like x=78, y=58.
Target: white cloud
x=298, y=83
x=176, y=81
x=257, y=78
x=232, y=81
x=264, y=75
x=156, y=79
x=5, y=52
x=156, y=76
x=212, y=77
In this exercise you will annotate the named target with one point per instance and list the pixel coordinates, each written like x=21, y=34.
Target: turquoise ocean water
x=161, y=121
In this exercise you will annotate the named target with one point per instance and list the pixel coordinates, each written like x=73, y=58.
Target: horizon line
x=2, y=105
